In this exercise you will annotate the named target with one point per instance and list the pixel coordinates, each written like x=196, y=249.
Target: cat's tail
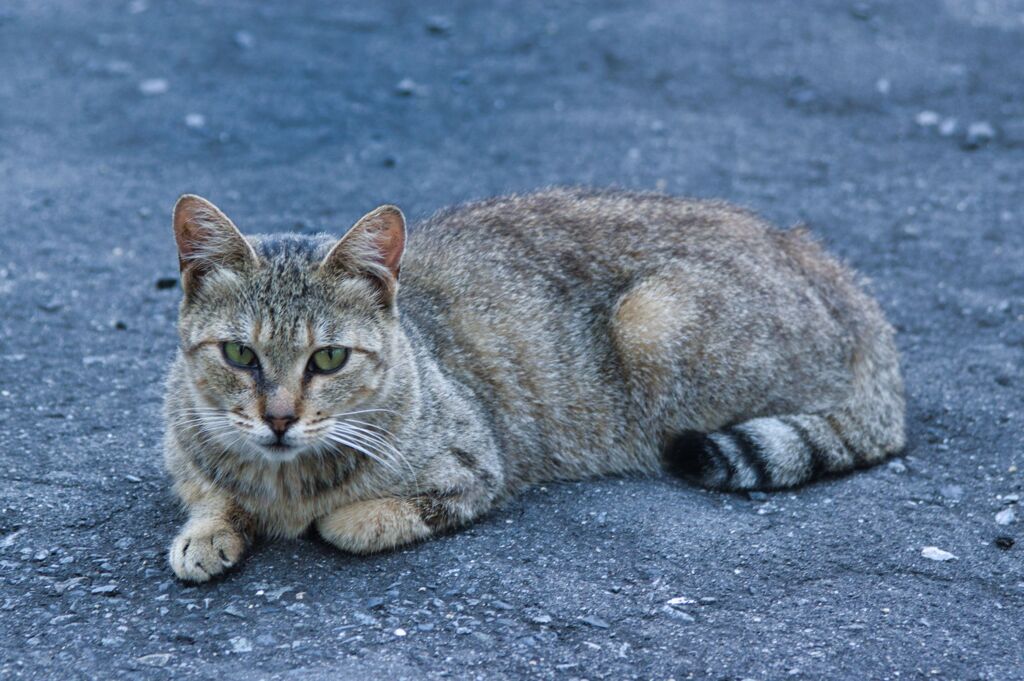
x=782, y=451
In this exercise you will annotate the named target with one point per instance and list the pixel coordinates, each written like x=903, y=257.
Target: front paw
x=199, y=553
x=374, y=525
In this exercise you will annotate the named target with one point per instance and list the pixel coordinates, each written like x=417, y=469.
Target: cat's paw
x=374, y=525
x=199, y=553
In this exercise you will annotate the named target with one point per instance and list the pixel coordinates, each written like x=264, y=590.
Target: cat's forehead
x=287, y=301
x=292, y=249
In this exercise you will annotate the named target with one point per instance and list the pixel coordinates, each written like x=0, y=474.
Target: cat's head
x=287, y=341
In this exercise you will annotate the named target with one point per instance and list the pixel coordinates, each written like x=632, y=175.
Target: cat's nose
x=279, y=423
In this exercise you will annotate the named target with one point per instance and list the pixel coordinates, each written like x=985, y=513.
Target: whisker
x=369, y=436
x=362, y=411
x=379, y=446
x=372, y=425
x=362, y=450
x=356, y=437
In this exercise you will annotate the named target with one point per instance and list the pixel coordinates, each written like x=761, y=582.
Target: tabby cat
x=386, y=391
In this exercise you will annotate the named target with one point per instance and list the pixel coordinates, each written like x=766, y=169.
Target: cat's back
x=582, y=240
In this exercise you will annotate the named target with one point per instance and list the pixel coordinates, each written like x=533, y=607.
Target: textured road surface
x=896, y=130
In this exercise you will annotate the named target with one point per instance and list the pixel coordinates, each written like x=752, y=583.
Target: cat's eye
x=240, y=355
x=328, y=360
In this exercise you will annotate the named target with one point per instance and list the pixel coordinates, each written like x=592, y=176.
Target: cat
x=385, y=393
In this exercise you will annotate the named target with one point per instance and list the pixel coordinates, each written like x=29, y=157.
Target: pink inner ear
x=373, y=247
x=391, y=242
x=385, y=228
x=206, y=238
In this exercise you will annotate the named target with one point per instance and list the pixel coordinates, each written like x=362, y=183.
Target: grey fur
x=557, y=335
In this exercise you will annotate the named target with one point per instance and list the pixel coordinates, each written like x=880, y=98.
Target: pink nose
x=280, y=423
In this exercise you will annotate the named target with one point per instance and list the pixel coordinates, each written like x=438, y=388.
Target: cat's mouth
x=280, y=451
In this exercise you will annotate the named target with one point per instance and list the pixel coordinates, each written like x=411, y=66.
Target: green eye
x=328, y=360
x=240, y=355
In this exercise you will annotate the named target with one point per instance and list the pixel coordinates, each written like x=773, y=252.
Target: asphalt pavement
x=895, y=130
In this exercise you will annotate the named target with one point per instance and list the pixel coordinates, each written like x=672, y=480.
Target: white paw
x=199, y=553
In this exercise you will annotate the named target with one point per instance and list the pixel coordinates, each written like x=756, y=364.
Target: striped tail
x=782, y=451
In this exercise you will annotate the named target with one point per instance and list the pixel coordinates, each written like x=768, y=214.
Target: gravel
x=154, y=86
x=937, y=554
x=979, y=134
x=1006, y=516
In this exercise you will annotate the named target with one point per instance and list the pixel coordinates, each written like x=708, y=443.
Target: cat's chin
x=279, y=453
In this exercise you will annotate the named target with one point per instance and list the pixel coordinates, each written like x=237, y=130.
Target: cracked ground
x=894, y=130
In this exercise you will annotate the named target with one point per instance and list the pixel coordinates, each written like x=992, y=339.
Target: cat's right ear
x=207, y=241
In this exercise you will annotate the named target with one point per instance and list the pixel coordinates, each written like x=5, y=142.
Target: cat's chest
x=285, y=499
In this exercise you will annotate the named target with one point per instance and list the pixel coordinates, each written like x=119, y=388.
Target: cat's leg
x=463, y=489
x=216, y=535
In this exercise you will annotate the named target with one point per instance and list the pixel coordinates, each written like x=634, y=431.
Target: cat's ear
x=372, y=248
x=207, y=241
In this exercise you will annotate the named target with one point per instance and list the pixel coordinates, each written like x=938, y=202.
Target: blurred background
x=894, y=129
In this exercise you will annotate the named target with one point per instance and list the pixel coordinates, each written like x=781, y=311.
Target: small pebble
x=407, y=87
x=106, y=590
x=947, y=127
x=155, y=660
x=438, y=25
x=978, y=135
x=1004, y=542
x=400, y=632
x=952, y=492
x=678, y=615
x=1005, y=517
x=897, y=466
x=244, y=39
x=195, y=121
x=935, y=553
x=154, y=86
x=680, y=600
x=927, y=119
x=240, y=644
x=541, y=619
x=595, y=622
x=364, y=619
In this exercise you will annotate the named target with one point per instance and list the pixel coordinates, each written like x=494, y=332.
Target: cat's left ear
x=372, y=248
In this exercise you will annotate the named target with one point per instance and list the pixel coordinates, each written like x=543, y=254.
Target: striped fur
x=782, y=451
